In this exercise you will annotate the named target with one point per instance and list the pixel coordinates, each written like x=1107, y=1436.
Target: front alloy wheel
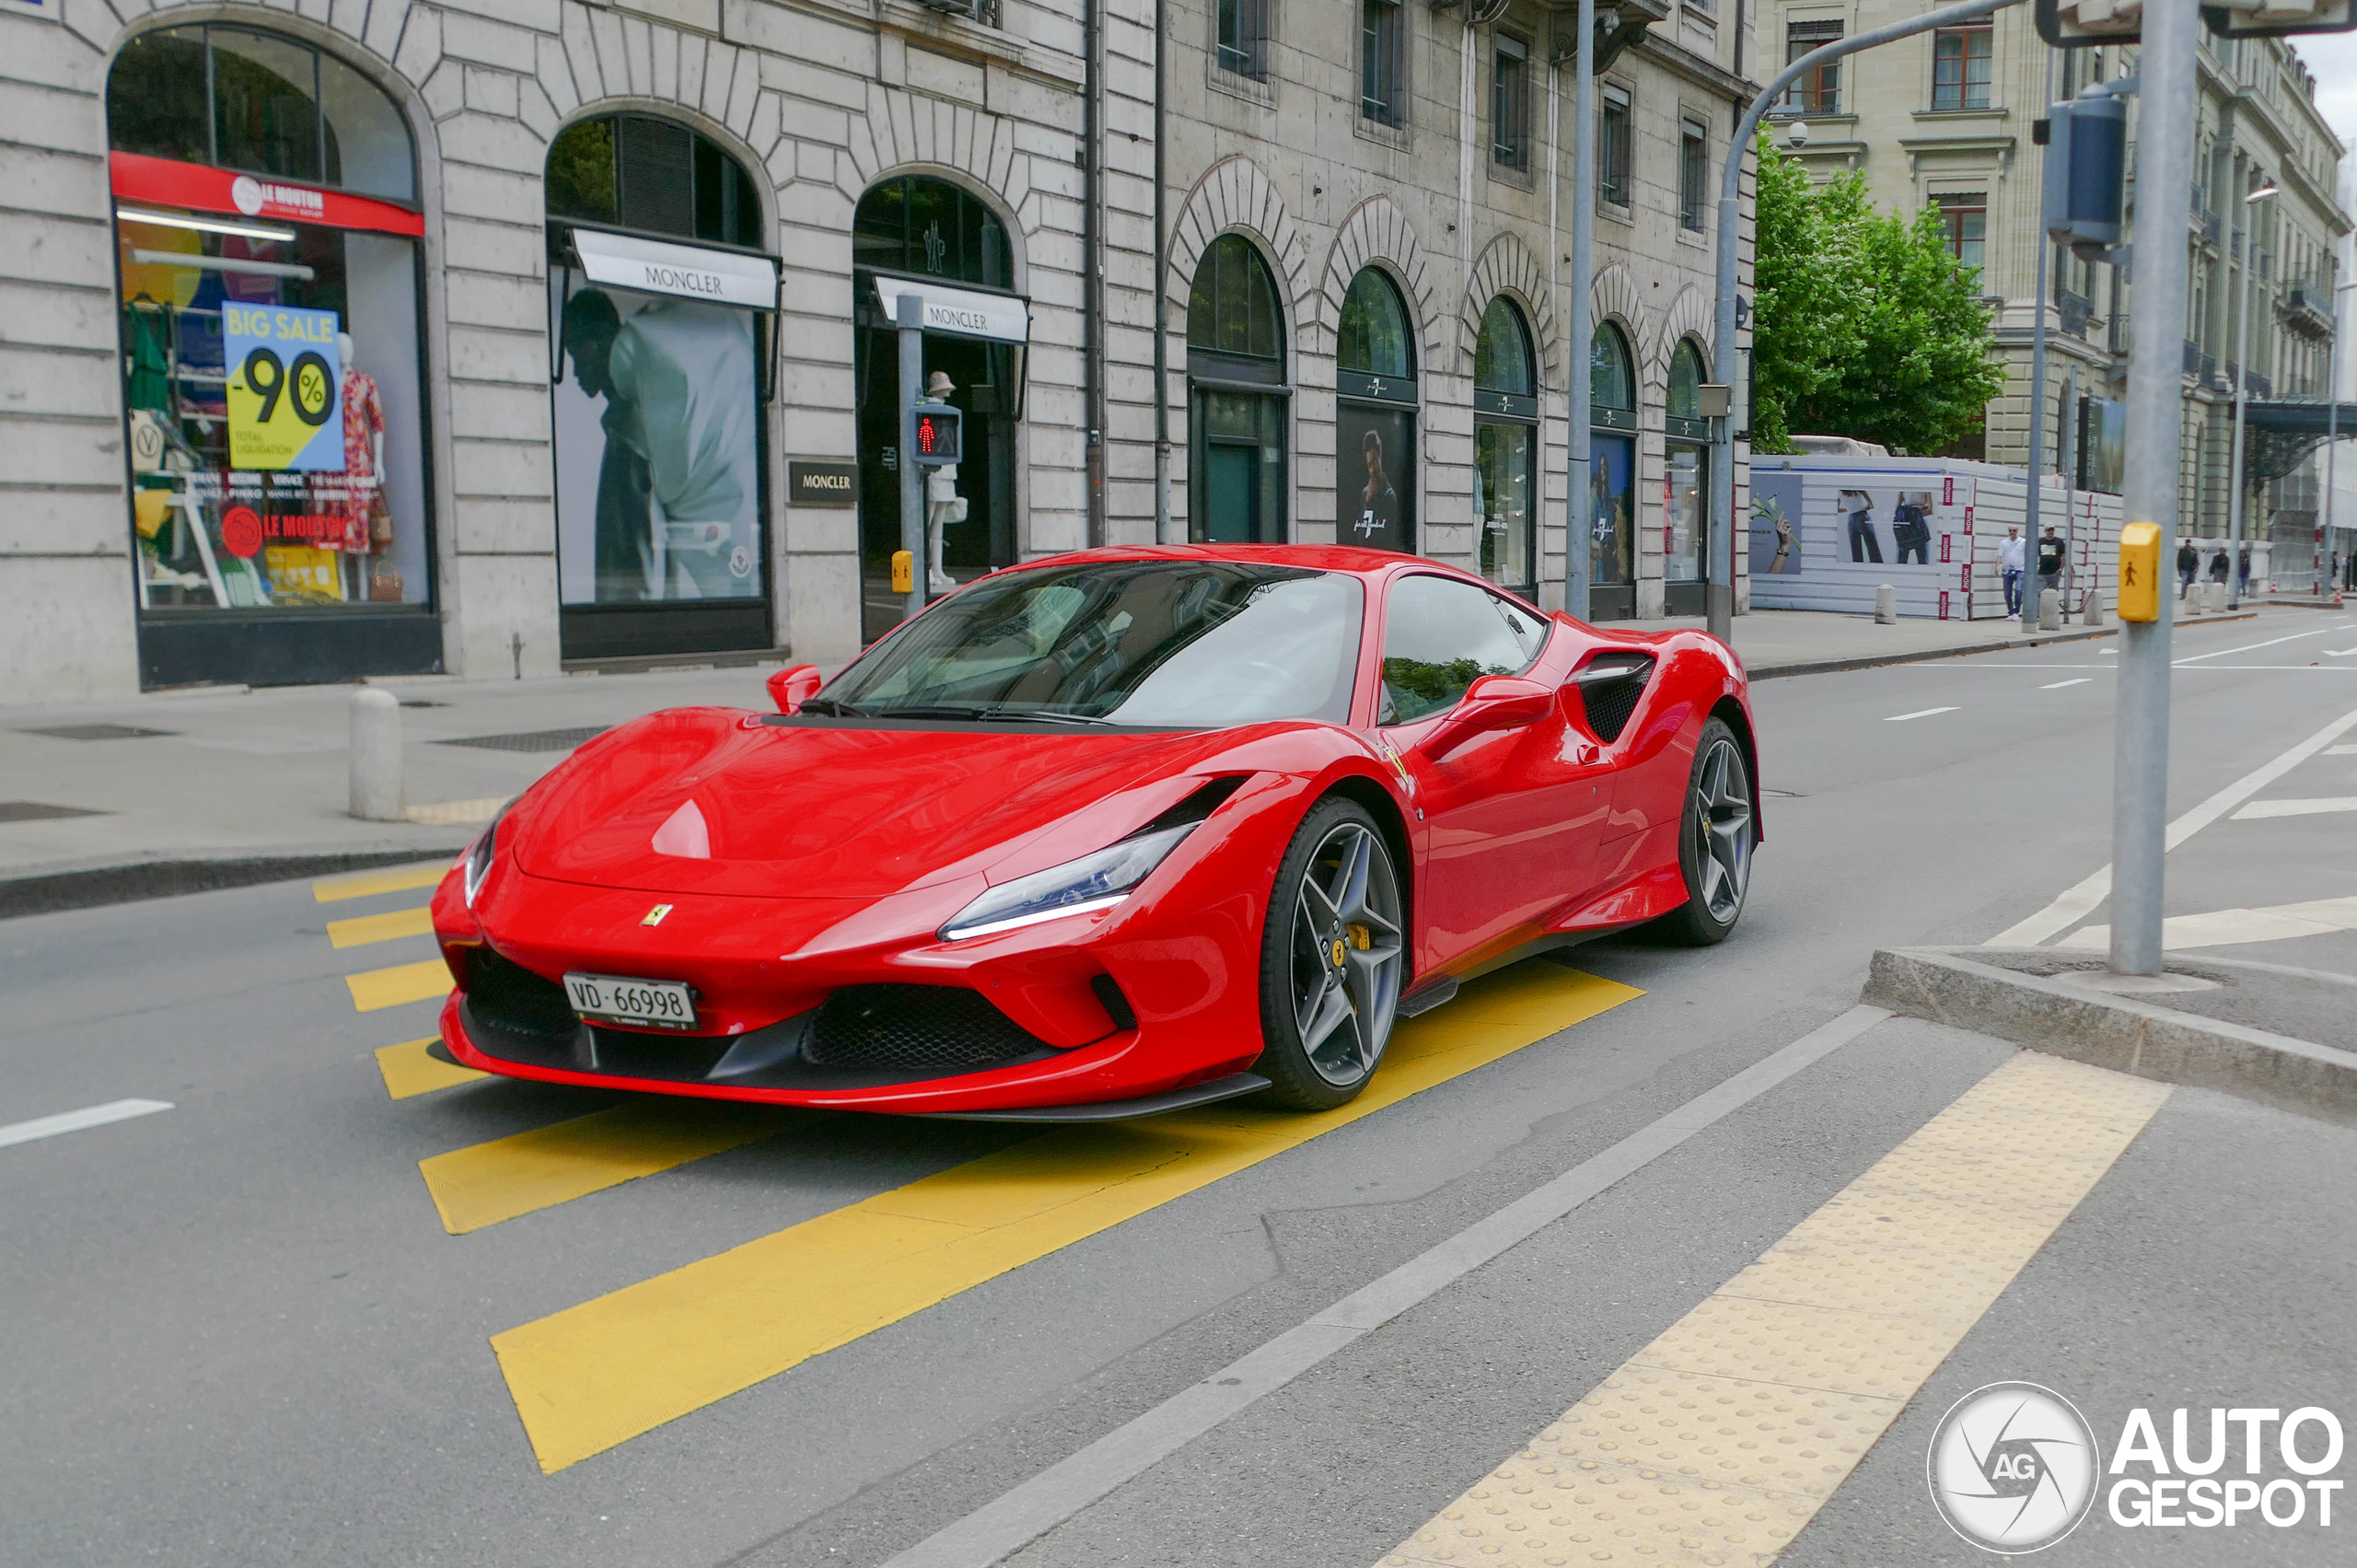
x=1715, y=840
x=1333, y=956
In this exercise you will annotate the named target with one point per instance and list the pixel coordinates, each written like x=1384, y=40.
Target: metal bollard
x=2049, y=609
x=1885, y=606
x=375, y=755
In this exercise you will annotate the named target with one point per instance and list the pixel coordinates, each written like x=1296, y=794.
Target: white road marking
x=2340, y=750
x=2058, y=685
x=2221, y=928
x=1918, y=714
x=999, y=1529
x=2246, y=647
x=2339, y=653
x=2296, y=807
x=75, y=1121
x=2074, y=904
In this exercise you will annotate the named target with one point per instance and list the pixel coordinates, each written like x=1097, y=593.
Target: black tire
x=1333, y=959
x=1717, y=831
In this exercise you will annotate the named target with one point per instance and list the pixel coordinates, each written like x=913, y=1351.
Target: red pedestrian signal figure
x=939, y=436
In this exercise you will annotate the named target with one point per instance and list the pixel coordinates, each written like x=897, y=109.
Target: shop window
x=634, y=171
x=1244, y=38
x=236, y=98
x=1613, y=147
x=1693, y=175
x=1687, y=485
x=1612, y=487
x=1374, y=417
x=659, y=478
x=1382, y=93
x=1961, y=61
x=1510, y=102
x=1233, y=351
x=272, y=377
x=1506, y=449
x=1965, y=218
x=1818, y=90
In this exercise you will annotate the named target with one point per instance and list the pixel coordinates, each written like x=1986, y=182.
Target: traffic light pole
x=1579, y=521
x=909, y=316
x=2155, y=438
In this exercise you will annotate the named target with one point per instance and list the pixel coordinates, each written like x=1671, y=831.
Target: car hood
x=718, y=800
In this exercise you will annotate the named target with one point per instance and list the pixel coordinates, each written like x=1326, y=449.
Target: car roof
x=1315, y=557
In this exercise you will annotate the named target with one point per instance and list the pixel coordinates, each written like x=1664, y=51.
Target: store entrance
x=982, y=380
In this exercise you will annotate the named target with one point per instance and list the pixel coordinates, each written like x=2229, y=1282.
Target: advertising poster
x=285, y=387
x=658, y=456
x=1612, y=493
x=1901, y=527
x=1374, y=478
x=1776, y=524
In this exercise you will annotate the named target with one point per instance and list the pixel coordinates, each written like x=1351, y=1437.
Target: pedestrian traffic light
x=2086, y=166
x=2139, y=572
x=904, y=572
x=2067, y=24
x=937, y=433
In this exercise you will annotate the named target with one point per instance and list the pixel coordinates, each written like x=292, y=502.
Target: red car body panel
x=806, y=855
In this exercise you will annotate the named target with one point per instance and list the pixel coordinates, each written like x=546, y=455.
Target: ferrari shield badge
x=655, y=916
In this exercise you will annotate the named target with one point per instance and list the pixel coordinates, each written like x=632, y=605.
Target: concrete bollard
x=2049, y=609
x=1885, y=606
x=2093, y=608
x=375, y=755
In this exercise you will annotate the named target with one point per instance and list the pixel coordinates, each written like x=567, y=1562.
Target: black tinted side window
x=1441, y=635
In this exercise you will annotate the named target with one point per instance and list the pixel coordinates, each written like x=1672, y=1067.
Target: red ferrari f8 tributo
x=1103, y=835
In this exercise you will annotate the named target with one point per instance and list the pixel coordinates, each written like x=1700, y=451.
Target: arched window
x=657, y=176
x=1374, y=417
x=1235, y=368
x=272, y=377
x=1506, y=449
x=1687, y=453
x=661, y=530
x=1613, y=477
x=916, y=224
x=1233, y=308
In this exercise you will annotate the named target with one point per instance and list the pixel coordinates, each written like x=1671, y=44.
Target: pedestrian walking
x=2188, y=566
x=2010, y=558
x=2242, y=574
x=2218, y=567
x=2049, y=563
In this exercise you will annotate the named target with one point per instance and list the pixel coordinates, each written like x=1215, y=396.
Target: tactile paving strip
x=1716, y=1444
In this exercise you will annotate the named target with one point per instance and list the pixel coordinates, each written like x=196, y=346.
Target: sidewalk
x=177, y=792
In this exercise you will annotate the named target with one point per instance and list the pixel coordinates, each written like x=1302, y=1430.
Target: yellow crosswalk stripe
x=1719, y=1442
x=409, y=1070
x=367, y=883
x=362, y=929
x=490, y=1182
x=371, y=989
x=599, y=1374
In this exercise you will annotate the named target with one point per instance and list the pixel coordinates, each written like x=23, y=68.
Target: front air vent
x=1609, y=686
x=916, y=1028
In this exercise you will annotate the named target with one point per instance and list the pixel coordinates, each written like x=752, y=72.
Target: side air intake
x=1609, y=686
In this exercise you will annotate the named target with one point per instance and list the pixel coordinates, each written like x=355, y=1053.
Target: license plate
x=615, y=999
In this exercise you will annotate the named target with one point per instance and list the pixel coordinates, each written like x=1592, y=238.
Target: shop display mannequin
x=367, y=520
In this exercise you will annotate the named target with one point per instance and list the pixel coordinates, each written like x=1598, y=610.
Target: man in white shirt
x=2011, y=559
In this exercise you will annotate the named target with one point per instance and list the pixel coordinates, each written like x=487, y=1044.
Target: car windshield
x=1176, y=645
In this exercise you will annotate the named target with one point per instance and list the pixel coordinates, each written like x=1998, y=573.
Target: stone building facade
x=1947, y=124
x=350, y=337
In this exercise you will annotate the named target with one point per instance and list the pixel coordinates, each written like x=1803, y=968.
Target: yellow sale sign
x=285, y=387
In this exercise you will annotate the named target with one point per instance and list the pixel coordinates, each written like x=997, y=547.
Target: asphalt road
x=239, y=1331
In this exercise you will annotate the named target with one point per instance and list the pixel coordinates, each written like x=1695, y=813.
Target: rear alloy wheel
x=1332, y=957
x=1714, y=841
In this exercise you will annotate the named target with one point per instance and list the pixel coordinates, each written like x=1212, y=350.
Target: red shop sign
x=167, y=183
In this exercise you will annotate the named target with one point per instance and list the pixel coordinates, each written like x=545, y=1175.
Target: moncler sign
x=651, y=266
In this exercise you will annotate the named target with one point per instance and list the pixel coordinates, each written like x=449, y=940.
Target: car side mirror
x=794, y=685
x=1494, y=701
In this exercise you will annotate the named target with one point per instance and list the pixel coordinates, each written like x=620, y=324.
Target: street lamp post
x=1719, y=597
x=2242, y=399
x=2332, y=432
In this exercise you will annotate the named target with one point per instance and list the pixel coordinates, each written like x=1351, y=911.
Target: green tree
x=1863, y=324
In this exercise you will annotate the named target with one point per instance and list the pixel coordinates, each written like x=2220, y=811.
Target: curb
x=1874, y=661
x=51, y=892
x=2117, y=1032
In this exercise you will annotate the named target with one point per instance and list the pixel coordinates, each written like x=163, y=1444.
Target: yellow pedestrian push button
x=2139, y=572
x=904, y=572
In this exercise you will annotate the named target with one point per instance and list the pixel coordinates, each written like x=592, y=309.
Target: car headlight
x=477, y=861
x=1092, y=882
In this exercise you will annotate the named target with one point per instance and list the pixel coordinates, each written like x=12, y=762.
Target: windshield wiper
x=978, y=711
